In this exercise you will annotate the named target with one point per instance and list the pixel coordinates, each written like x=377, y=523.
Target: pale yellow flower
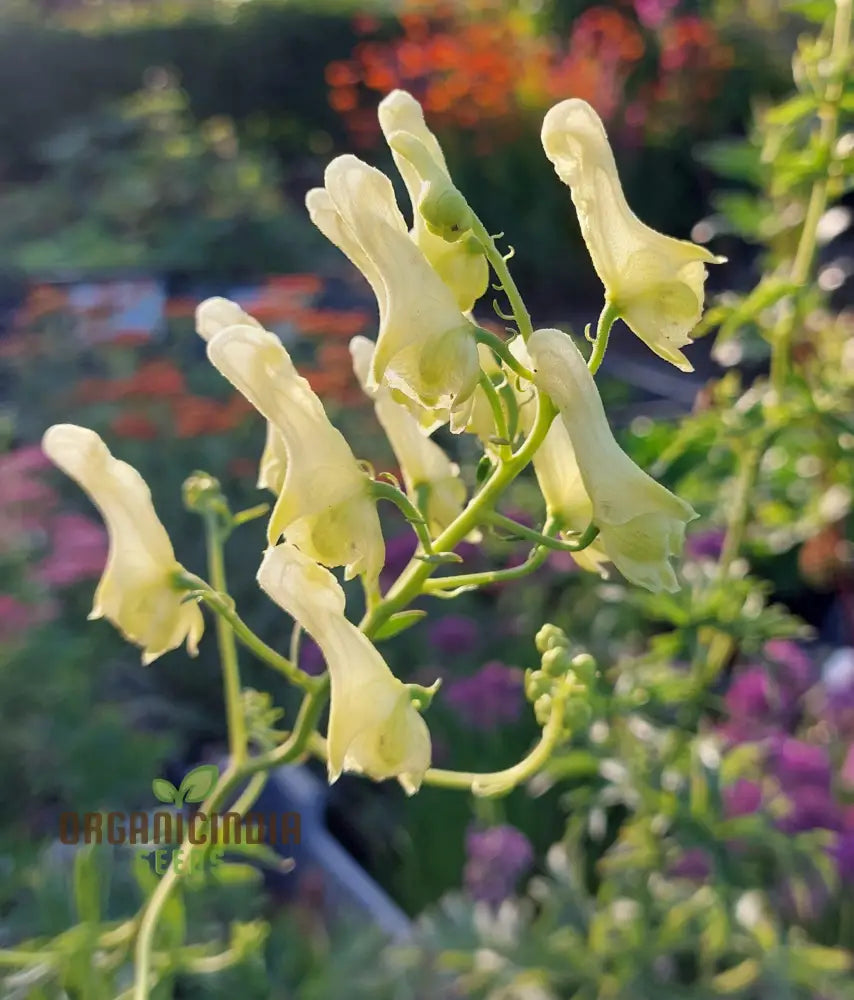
x=374, y=728
x=325, y=505
x=557, y=472
x=654, y=282
x=213, y=316
x=641, y=524
x=426, y=348
x=216, y=314
x=460, y=262
x=136, y=592
x=422, y=461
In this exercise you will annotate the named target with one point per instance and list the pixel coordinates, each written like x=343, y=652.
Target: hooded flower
x=212, y=317
x=374, y=728
x=426, y=348
x=324, y=506
x=136, y=592
x=422, y=461
x=654, y=282
x=641, y=524
x=558, y=475
x=460, y=262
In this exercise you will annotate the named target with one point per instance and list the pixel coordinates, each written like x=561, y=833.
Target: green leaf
x=87, y=885
x=198, y=783
x=164, y=790
x=792, y=110
x=398, y=623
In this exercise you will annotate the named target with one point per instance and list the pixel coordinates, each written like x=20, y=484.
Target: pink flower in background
x=489, y=698
x=22, y=462
x=653, y=13
x=17, y=618
x=79, y=551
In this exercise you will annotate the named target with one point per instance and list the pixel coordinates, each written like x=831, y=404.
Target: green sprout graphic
x=194, y=788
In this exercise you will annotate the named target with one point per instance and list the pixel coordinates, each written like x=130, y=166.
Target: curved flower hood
x=136, y=592
x=654, y=282
x=641, y=524
x=324, y=506
x=374, y=728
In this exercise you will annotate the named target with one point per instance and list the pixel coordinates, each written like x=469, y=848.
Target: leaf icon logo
x=164, y=790
x=198, y=783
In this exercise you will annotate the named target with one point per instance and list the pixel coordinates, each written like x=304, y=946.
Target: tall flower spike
x=217, y=314
x=422, y=461
x=374, y=728
x=459, y=261
x=641, y=524
x=324, y=506
x=654, y=282
x=557, y=472
x=426, y=348
x=136, y=592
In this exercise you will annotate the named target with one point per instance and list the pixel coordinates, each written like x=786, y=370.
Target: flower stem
x=221, y=605
x=603, y=331
x=409, y=584
x=227, y=646
x=502, y=272
x=500, y=782
x=543, y=538
x=827, y=134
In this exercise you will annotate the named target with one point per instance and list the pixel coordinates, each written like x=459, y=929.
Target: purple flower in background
x=310, y=658
x=488, y=698
x=496, y=858
x=798, y=763
x=749, y=696
x=843, y=854
x=694, y=863
x=454, y=635
x=795, y=671
x=398, y=551
x=811, y=808
x=705, y=544
x=846, y=772
x=742, y=798
x=837, y=676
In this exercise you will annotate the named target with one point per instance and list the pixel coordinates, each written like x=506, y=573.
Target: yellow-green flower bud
x=556, y=661
x=537, y=683
x=445, y=211
x=550, y=637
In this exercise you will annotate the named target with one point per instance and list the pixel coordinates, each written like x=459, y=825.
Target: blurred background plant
x=698, y=839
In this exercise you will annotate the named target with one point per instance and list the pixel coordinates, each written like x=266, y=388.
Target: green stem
x=582, y=542
x=467, y=581
x=500, y=782
x=500, y=348
x=227, y=646
x=222, y=606
x=827, y=135
x=408, y=585
x=603, y=331
x=501, y=429
x=502, y=272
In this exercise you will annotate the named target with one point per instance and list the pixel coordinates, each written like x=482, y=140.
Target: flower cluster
x=431, y=365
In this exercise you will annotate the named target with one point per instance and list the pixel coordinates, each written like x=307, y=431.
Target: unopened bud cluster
x=563, y=673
